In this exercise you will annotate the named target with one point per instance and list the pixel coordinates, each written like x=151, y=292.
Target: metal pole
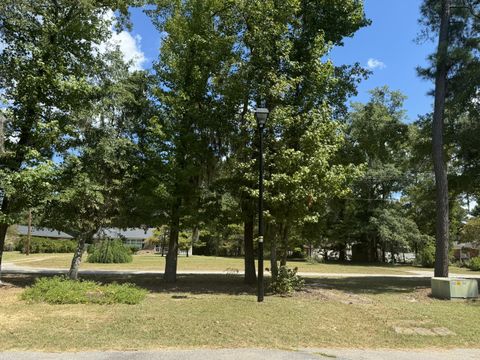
x=260, y=219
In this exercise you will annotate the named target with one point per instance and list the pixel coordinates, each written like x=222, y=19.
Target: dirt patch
x=7, y=286
x=419, y=295
x=343, y=297
x=421, y=331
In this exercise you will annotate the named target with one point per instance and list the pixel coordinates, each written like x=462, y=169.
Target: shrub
x=286, y=282
x=60, y=290
x=474, y=264
x=109, y=252
x=315, y=259
x=426, y=257
x=133, y=249
x=45, y=245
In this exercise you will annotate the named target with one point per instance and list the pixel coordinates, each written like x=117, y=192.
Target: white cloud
x=375, y=64
x=129, y=45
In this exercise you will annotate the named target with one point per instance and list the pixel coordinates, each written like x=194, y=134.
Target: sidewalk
x=253, y=354
x=10, y=268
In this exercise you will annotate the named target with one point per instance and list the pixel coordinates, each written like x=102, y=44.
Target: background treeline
x=87, y=142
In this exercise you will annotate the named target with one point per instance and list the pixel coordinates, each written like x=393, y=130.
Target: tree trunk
x=170, y=275
x=250, y=275
x=3, y=234
x=440, y=168
x=273, y=253
x=2, y=133
x=284, y=234
x=77, y=258
x=195, y=236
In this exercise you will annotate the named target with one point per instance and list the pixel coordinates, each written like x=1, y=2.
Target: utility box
x=454, y=288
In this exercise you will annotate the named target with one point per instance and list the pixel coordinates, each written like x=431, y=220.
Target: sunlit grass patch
x=60, y=290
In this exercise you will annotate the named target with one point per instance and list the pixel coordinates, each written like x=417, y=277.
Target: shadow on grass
x=233, y=284
x=186, y=283
x=371, y=285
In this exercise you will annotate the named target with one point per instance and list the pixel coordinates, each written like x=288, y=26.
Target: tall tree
x=96, y=178
x=440, y=167
x=195, y=46
x=46, y=69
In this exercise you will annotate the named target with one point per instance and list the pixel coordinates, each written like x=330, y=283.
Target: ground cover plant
x=60, y=290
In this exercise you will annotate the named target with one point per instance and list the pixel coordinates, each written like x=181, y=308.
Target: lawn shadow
x=371, y=285
x=186, y=283
x=231, y=284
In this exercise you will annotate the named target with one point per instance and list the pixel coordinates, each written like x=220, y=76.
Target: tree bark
x=170, y=275
x=440, y=167
x=273, y=253
x=77, y=258
x=284, y=234
x=249, y=262
x=3, y=234
x=195, y=236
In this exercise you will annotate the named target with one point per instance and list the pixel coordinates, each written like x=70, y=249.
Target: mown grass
x=151, y=262
x=220, y=312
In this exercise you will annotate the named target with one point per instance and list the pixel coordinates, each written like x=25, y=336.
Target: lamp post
x=261, y=114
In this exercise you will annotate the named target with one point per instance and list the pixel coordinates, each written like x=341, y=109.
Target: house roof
x=131, y=234
x=42, y=232
x=466, y=246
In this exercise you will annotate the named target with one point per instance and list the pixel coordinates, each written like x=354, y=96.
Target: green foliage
x=109, y=252
x=45, y=245
x=60, y=290
x=426, y=256
x=474, y=264
x=471, y=231
x=286, y=282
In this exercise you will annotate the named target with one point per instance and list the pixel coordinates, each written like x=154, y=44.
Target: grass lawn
x=206, y=263
x=219, y=311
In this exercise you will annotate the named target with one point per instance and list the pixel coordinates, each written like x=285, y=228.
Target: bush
x=315, y=259
x=45, y=245
x=60, y=290
x=109, y=252
x=286, y=282
x=133, y=249
x=426, y=257
x=474, y=264
x=297, y=253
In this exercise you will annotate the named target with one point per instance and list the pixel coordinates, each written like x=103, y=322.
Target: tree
x=378, y=139
x=280, y=62
x=98, y=172
x=195, y=47
x=454, y=67
x=46, y=68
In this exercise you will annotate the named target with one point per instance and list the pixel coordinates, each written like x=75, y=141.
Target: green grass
x=151, y=262
x=220, y=312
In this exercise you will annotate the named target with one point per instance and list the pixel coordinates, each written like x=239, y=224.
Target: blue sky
x=389, y=44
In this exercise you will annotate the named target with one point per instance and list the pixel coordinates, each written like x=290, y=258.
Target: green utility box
x=454, y=288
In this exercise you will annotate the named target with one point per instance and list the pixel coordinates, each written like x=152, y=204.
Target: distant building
x=22, y=230
x=466, y=251
x=133, y=237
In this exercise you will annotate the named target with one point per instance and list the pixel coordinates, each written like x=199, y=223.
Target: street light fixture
x=261, y=114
